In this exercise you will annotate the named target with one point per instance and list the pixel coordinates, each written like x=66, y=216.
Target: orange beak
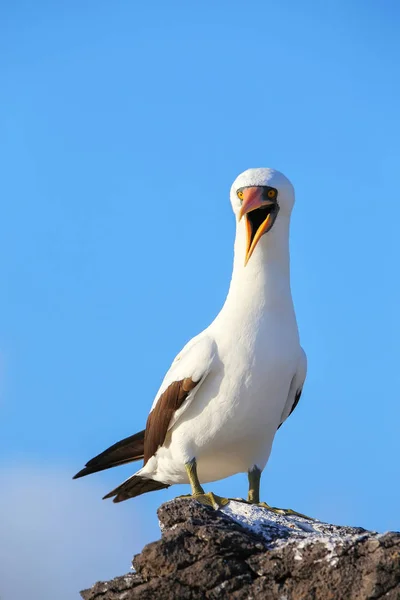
x=253, y=200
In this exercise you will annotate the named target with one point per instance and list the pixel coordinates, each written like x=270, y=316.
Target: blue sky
x=122, y=127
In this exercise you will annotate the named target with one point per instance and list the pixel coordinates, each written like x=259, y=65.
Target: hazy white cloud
x=57, y=537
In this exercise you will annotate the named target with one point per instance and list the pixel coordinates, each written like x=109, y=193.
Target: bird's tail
x=135, y=486
x=121, y=453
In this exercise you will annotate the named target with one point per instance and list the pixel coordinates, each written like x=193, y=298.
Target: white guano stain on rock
x=279, y=530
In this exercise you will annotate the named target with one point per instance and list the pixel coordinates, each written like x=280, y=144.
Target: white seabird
x=233, y=385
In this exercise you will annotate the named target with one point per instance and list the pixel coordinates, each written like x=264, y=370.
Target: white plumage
x=249, y=360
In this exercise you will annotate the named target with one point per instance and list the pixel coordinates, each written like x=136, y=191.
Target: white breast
x=232, y=423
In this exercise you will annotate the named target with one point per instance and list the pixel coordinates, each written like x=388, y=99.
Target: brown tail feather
x=135, y=486
x=125, y=451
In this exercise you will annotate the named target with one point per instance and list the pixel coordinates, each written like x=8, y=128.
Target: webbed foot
x=210, y=499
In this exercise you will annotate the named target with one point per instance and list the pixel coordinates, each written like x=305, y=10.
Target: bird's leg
x=198, y=493
x=253, y=496
x=254, y=475
x=191, y=470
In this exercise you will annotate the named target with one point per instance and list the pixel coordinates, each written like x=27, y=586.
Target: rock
x=246, y=552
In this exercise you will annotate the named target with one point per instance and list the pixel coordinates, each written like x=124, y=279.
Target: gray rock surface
x=246, y=552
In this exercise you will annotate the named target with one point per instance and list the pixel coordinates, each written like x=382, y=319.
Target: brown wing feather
x=295, y=403
x=125, y=451
x=145, y=443
x=160, y=417
x=135, y=486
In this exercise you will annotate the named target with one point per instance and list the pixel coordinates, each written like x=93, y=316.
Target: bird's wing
x=296, y=387
x=178, y=389
x=182, y=381
x=125, y=451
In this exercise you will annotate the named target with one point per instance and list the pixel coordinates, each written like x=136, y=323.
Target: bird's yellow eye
x=240, y=194
x=271, y=193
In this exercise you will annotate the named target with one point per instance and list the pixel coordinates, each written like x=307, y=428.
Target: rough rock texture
x=246, y=552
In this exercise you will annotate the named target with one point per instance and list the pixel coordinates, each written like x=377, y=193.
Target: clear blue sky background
x=122, y=126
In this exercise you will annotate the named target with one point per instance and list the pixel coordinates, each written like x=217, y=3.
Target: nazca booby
x=233, y=385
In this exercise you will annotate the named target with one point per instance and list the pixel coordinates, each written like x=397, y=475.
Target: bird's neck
x=264, y=283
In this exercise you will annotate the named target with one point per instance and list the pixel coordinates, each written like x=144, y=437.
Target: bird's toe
x=211, y=500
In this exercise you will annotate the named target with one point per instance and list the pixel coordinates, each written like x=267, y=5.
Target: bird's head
x=261, y=197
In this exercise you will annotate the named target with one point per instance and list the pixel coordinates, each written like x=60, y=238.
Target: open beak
x=260, y=216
